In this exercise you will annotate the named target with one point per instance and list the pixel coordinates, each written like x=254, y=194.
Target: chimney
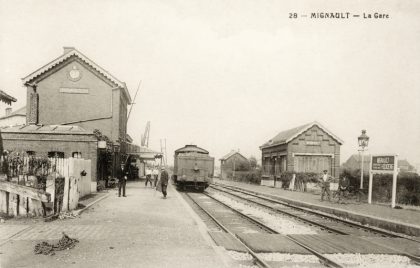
x=8, y=111
x=67, y=49
x=33, y=115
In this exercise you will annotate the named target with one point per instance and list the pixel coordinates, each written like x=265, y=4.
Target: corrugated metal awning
x=143, y=153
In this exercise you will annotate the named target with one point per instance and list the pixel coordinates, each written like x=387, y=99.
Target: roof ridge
x=74, y=52
x=289, y=134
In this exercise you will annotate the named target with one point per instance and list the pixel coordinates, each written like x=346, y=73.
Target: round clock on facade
x=74, y=74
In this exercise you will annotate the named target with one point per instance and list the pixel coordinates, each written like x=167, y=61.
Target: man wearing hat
x=325, y=185
x=164, y=178
x=122, y=179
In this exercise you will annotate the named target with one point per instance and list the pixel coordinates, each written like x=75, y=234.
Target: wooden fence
x=19, y=195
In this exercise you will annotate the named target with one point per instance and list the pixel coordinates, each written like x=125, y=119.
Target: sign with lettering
x=383, y=163
x=72, y=90
x=313, y=143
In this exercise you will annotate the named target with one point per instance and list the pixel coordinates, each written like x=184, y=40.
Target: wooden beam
x=24, y=191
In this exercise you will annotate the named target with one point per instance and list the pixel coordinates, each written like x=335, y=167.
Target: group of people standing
x=325, y=182
x=152, y=177
x=161, y=184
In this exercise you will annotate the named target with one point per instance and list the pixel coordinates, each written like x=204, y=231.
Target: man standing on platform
x=155, y=174
x=149, y=177
x=122, y=179
x=164, y=179
x=325, y=185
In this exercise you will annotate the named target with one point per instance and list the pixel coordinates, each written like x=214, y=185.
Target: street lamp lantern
x=363, y=144
x=363, y=140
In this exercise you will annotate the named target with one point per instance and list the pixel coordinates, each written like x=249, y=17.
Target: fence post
x=65, y=172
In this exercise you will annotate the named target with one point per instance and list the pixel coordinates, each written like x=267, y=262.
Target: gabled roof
x=72, y=52
x=20, y=111
x=6, y=98
x=232, y=153
x=288, y=135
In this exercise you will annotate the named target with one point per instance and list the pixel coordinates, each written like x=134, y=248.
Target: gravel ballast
x=278, y=223
x=372, y=260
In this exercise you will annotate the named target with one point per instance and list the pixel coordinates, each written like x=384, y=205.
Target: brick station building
x=74, y=90
x=67, y=99
x=307, y=148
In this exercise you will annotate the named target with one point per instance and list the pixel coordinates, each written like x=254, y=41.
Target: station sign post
x=384, y=164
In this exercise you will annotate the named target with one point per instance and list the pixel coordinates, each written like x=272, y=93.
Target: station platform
x=140, y=230
x=406, y=221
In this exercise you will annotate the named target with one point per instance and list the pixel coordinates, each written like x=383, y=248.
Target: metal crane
x=145, y=136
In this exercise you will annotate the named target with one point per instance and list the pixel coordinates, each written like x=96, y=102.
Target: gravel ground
x=281, y=225
x=347, y=260
x=284, y=257
x=239, y=256
x=371, y=260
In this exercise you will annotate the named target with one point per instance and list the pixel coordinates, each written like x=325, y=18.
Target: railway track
x=229, y=224
x=324, y=221
x=258, y=261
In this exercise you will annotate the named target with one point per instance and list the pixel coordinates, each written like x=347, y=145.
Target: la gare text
x=340, y=15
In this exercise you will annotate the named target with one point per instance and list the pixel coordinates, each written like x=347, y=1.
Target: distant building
x=15, y=118
x=307, y=148
x=232, y=161
x=417, y=168
x=404, y=166
x=353, y=164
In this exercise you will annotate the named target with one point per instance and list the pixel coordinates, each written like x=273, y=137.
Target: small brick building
x=307, y=148
x=232, y=161
x=52, y=141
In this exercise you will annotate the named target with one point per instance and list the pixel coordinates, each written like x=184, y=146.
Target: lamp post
x=363, y=144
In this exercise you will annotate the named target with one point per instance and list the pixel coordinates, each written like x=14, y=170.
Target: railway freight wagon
x=193, y=168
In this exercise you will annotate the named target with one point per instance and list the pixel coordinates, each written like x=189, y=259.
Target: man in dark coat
x=164, y=179
x=122, y=175
x=343, y=186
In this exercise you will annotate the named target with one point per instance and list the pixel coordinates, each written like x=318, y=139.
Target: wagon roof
x=191, y=148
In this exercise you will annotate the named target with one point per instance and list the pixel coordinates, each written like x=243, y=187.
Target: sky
x=232, y=74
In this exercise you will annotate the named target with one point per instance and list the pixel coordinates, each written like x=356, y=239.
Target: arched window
x=76, y=155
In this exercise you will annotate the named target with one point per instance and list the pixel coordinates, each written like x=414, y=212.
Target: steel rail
x=325, y=260
x=358, y=225
x=260, y=262
x=257, y=222
x=414, y=258
x=284, y=212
